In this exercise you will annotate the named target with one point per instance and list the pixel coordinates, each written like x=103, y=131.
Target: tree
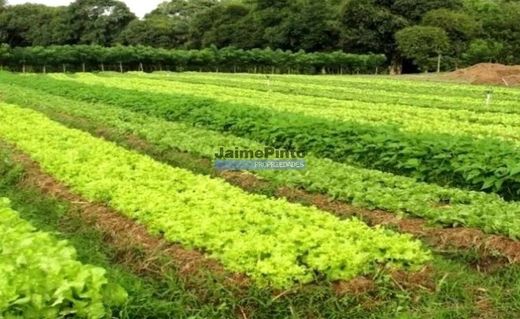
x=222, y=25
x=5, y=55
x=154, y=31
x=30, y=24
x=414, y=10
x=369, y=27
x=422, y=44
x=310, y=26
x=460, y=27
x=270, y=18
x=183, y=9
x=502, y=26
x=97, y=21
x=180, y=15
x=21, y=55
x=483, y=51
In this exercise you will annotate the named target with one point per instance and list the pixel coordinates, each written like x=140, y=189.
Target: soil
x=493, y=250
x=144, y=253
x=488, y=73
x=134, y=246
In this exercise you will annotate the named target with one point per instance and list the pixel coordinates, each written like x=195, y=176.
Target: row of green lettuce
x=41, y=277
x=438, y=95
x=308, y=105
x=362, y=187
x=161, y=289
x=479, y=164
x=408, y=118
x=419, y=86
x=272, y=241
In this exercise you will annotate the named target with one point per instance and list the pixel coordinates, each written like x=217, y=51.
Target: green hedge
x=125, y=58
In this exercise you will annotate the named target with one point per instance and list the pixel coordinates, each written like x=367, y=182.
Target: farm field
x=408, y=206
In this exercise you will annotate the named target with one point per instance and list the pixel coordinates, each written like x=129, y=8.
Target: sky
x=139, y=7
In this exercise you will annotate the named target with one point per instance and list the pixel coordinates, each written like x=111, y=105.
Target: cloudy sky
x=139, y=7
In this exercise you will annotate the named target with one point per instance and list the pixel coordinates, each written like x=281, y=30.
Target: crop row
x=479, y=164
x=388, y=84
x=41, y=278
x=362, y=187
x=272, y=241
x=408, y=119
x=355, y=91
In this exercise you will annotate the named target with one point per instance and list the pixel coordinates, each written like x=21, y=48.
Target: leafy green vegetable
x=273, y=241
x=362, y=187
x=438, y=158
x=41, y=278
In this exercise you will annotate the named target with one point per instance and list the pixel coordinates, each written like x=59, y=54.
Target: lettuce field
x=111, y=205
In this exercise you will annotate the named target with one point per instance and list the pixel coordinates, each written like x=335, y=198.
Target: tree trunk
x=23, y=68
x=83, y=67
x=377, y=70
x=439, y=57
x=396, y=69
x=396, y=65
x=102, y=67
x=44, y=69
x=64, y=67
x=141, y=67
x=121, y=67
x=272, y=69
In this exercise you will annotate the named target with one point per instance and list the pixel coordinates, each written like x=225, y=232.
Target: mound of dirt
x=489, y=73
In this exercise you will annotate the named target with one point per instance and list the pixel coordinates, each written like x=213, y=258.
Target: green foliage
x=41, y=277
x=423, y=44
x=370, y=28
x=371, y=25
x=30, y=24
x=358, y=26
x=237, y=228
x=5, y=54
x=223, y=25
x=460, y=27
x=414, y=10
x=154, y=32
x=345, y=97
x=96, y=57
x=97, y=21
x=362, y=187
x=483, y=50
x=482, y=164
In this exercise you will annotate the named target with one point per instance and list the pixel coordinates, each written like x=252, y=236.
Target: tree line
x=417, y=35
x=68, y=58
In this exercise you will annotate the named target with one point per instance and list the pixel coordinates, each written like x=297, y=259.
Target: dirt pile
x=489, y=73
